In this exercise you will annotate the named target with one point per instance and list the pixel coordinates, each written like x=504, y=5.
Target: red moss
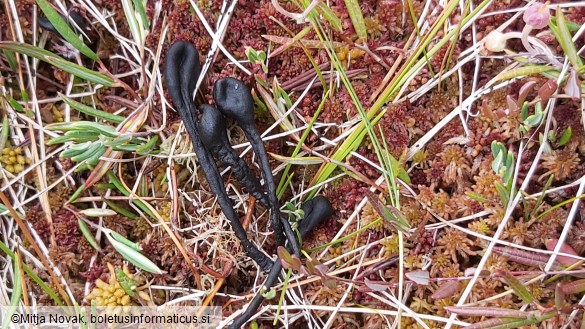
x=67, y=232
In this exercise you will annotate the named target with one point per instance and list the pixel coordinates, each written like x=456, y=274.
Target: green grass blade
x=330, y=16
x=92, y=111
x=357, y=18
x=522, y=71
x=133, y=23
x=139, y=6
x=53, y=59
x=11, y=59
x=16, y=291
x=46, y=289
x=410, y=68
x=4, y=132
x=563, y=35
x=87, y=234
x=124, y=191
x=65, y=31
x=281, y=185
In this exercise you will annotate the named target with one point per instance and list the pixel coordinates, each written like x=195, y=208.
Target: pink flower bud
x=537, y=15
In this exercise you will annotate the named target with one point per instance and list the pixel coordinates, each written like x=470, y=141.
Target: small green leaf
x=524, y=111
x=148, y=147
x=15, y=105
x=92, y=111
x=566, y=136
x=120, y=238
x=87, y=233
x=135, y=257
x=11, y=59
x=502, y=192
x=519, y=289
x=52, y=59
x=498, y=162
x=65, y=31
x=476, y=196
x=118, y=141
x=76, y=195
x=122, y=211
x=126, y=282
x=288, y=260
x=270, y=294
x=90, y=126
x=93, y=149
x=509, y=171
x=534, y=120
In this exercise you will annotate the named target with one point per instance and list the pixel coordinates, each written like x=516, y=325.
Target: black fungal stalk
x=213, y=134
x=209, y=138
x=316, y=211
x=181, y=72
x=235, y=101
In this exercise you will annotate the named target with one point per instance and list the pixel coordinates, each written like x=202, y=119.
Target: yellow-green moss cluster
x=13, y=160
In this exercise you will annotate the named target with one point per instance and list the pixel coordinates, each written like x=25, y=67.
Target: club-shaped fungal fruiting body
x=235, y=101
x=317, y=210
x=181, y=73
x=182, y=70
x=213, y=133
x=209, y=136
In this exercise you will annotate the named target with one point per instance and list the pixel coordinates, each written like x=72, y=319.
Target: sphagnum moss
x=14, y=160
x=111, y=293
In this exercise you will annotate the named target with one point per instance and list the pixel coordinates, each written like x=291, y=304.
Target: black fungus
x=235, y=101
x=317, y=210
x=213, y=133
x=182, y=70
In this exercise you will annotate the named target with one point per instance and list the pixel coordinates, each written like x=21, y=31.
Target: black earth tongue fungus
x=182, y=70
x=213, y=133
x=317, y=210
x=235, y=101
